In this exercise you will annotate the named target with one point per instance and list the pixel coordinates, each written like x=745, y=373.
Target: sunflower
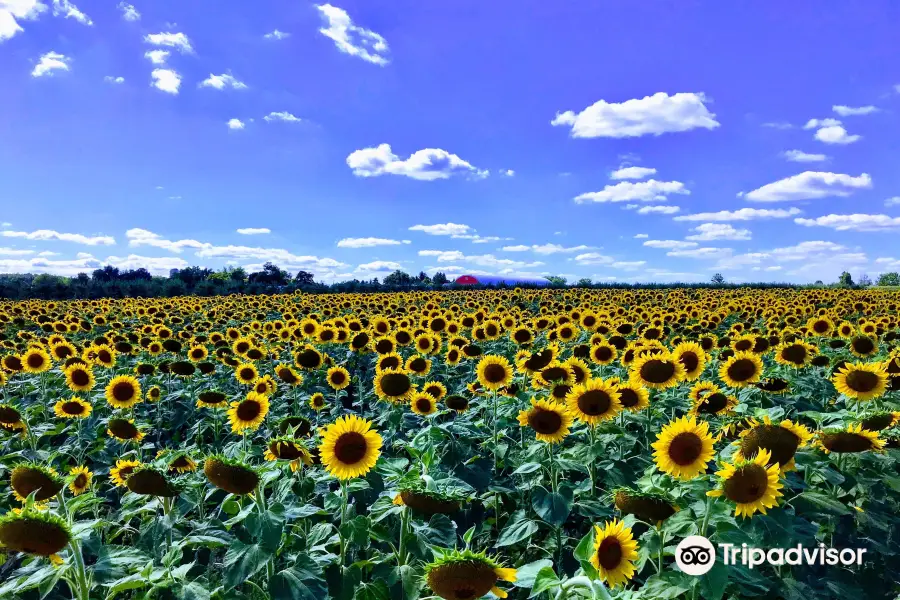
x=211, y=399
x=646, y=506
x=246, y=373
x=101, y=355
x=603, y=353
x=12, y=363
x=714, y=402
x=594, y=401
x=393, y=385
x=773, y=385
x=820, y=326
x=288, y=375
x=123, y=391
x=11, y=419
x=555, y=372
x=794, y=354
x=34, y=532
x=466, y=575
x=79, y=378
x=338, y=378
x=35, y=360
x=264, y=385
x=73, y=408
x=123, y=470
x=230, y=475
x=550, y=420
x=350, y=447
x=781, y=441
x=148, y=481
x=880, y=421
x=633, y=396
x=423, y=404
x=861, y=381
x=494, y=372
x=418, y=365
x=683, y=448
x=436, y=389
x=741, y=369
x=62, y=350
x=753, y=485
x=456, y=402
x=124, y=430
x=428, y=502
x=317, y=401
x=864, y=346
x=80, y=481
x=288, y=448
x=197, y=353
x=181, y=463
x=692, y=357
x=248, y=414
x=853, y=439
x=658, y=371
x=614, y=553
x=37, y=479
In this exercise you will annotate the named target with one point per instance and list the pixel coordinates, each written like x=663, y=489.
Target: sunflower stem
x=662, y=545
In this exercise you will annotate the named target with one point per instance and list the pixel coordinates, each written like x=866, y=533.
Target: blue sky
x=587, y=139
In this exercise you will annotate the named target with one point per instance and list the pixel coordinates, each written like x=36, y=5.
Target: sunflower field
x=554, y=443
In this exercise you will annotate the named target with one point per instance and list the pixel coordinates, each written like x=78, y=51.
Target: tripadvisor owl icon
x=695, y=555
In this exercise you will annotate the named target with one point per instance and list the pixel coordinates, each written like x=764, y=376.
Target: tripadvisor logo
x=695, y=555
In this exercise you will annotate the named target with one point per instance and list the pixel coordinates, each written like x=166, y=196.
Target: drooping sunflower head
x=741, y=369
x=230, y=475
x=182, y=368
x=714, y=402
x=614, y=553
x=861, y=381
x=212, y=399
x=42, y=481
x=493, y=372
x=683, y=448
x=773, y=385
x=288, y=448
x=594, y=401
x=753, y=485
x=456, y=402
x=180, y=462
x=393, y=385
x=646, y=506
x=555, y=372
x=350, y=447
x=73, y=408
x=550, y=420
x=466, y=575
x=39, y=533
x=659, y=371
x=123, y=392
x=124, y=430
x=879, y=421
x=11, y=419
x=249, y=413
x=295, y=427
x=80, y=480
x=781, y=441
x=852, y=440
x=148, y=481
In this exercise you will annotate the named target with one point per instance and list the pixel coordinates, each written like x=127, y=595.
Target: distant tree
x=892, y=278
x=107, y=273
x=845, y=279
x=865, y=280
x=82, y=279
x=237, y=274
x=818, y=282
x=398, y=278
x=270, y=275
x=140, y=274
x=439, y=278
x=584, y=282
x=718, y=279
x=191, y=276
x=304, y=278
x=556, y=280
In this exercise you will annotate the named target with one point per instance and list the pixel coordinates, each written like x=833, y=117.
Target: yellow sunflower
x=81, y=478
x=350, y=447
x=861, y=381
x=550, y=420
x=73, y=408
x=692, y=357
x=457, y=575
x=794, y=354
x=79, y=378
x=393, y=385
x=35, y=360
x=248, y=414
x=123, y=469
x=781, y=441
x=123, y=391
x=741, y=369
x=494, y=372
x=338, y=378
x=683, y=448
x=614, y=553
x=853, y=439
x=753, y=485
x=658, y=371
x=124, y=430
x=594, y=401
x=246, y=373
x=317, y=401
x=423, y=403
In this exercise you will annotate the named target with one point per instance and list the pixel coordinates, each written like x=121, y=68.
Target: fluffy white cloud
x=157, y=57
x=43, y=265
x=803, y=157
x=519, y=248
x=70, y=11
x=855, y=222
x=454, y=229
x=379, y=265
x=369, y=242
x=508, y=173
x=817, y=123
x=665, y=209
x=49, y=62
x=628, y=265
x=778, y=125
x=806, y=251
x=276, y=35
x=281, y=116
x=352, y=39
x=641, y=191
x=847, y=111
x=893, y=201
x=656, y=114
x=48, y=234
x=111, y=79
x=15, y=252
x=701, y=253
x=166, y=80
x=718, y=231
x=594, y=258
x=142, y=237
x=179, y=41
x=641, y=236
x=11, y=11
x=157, y=265
x=129, y=12
x=835, y=135
x=632, y=173
x=282, y=258
x=670, y=244
x=235, y=124
x=220, y=82
x=742, y=214
x=425, y=165
x=481, y=239
x=482, y=260
x=254, y=230
x=809, y=185
x=546, y=248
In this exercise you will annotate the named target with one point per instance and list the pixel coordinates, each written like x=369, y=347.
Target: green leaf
x=552, y=508
x=585, y=547
x=545, y=580
x=526, y=574
x=713, y=583
x=231, y=507
x=525, y=468
x=376, y=590
x=303, y=581
x=826, y=503
x=439, y=531
x=411, y=582
x=666, y=585
x=518, y=528
x=357, y=531
x=194, y=591
x=266, y=529
x=132, y=582
x=242, y=561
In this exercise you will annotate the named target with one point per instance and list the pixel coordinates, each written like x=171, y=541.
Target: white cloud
x=157, y=57
x=281, y=116
x=220, y=82
x=482, y=260
x=454, y=229
x=379, y=265
x=49, y=62
x=157, y=265
x=670, y=244
x=593, y=258
x=835, y=135
x=817, y=123
x=276, y=35
x=481, y=239
x=641, y=236
x=282, y=258
x=179, y=41
x=641, y=191
x=12, y=11
x=15, y=252
x=142, y=237
x=129, y=12
x=893, y=201
x=778, y=125
x=665, y=209
x=254, y=230
x=47, y=234
x=846, y=111
x=546, y=248
x=46, y=253
x=70, y=11
x=369, y=242
x=508, y=173
x=628, y=265
x=632, y=173
x=235, y=124
x=855, y=222
x=111, y=79
x=166, y=80
x=742, y=214
x=806, y=250
x=809, y=185
x=656, y=114
x=352, y=39
x=701, y=253
x=519, y=248
x=802, y=157
x=718, y=231
x=425, y=165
